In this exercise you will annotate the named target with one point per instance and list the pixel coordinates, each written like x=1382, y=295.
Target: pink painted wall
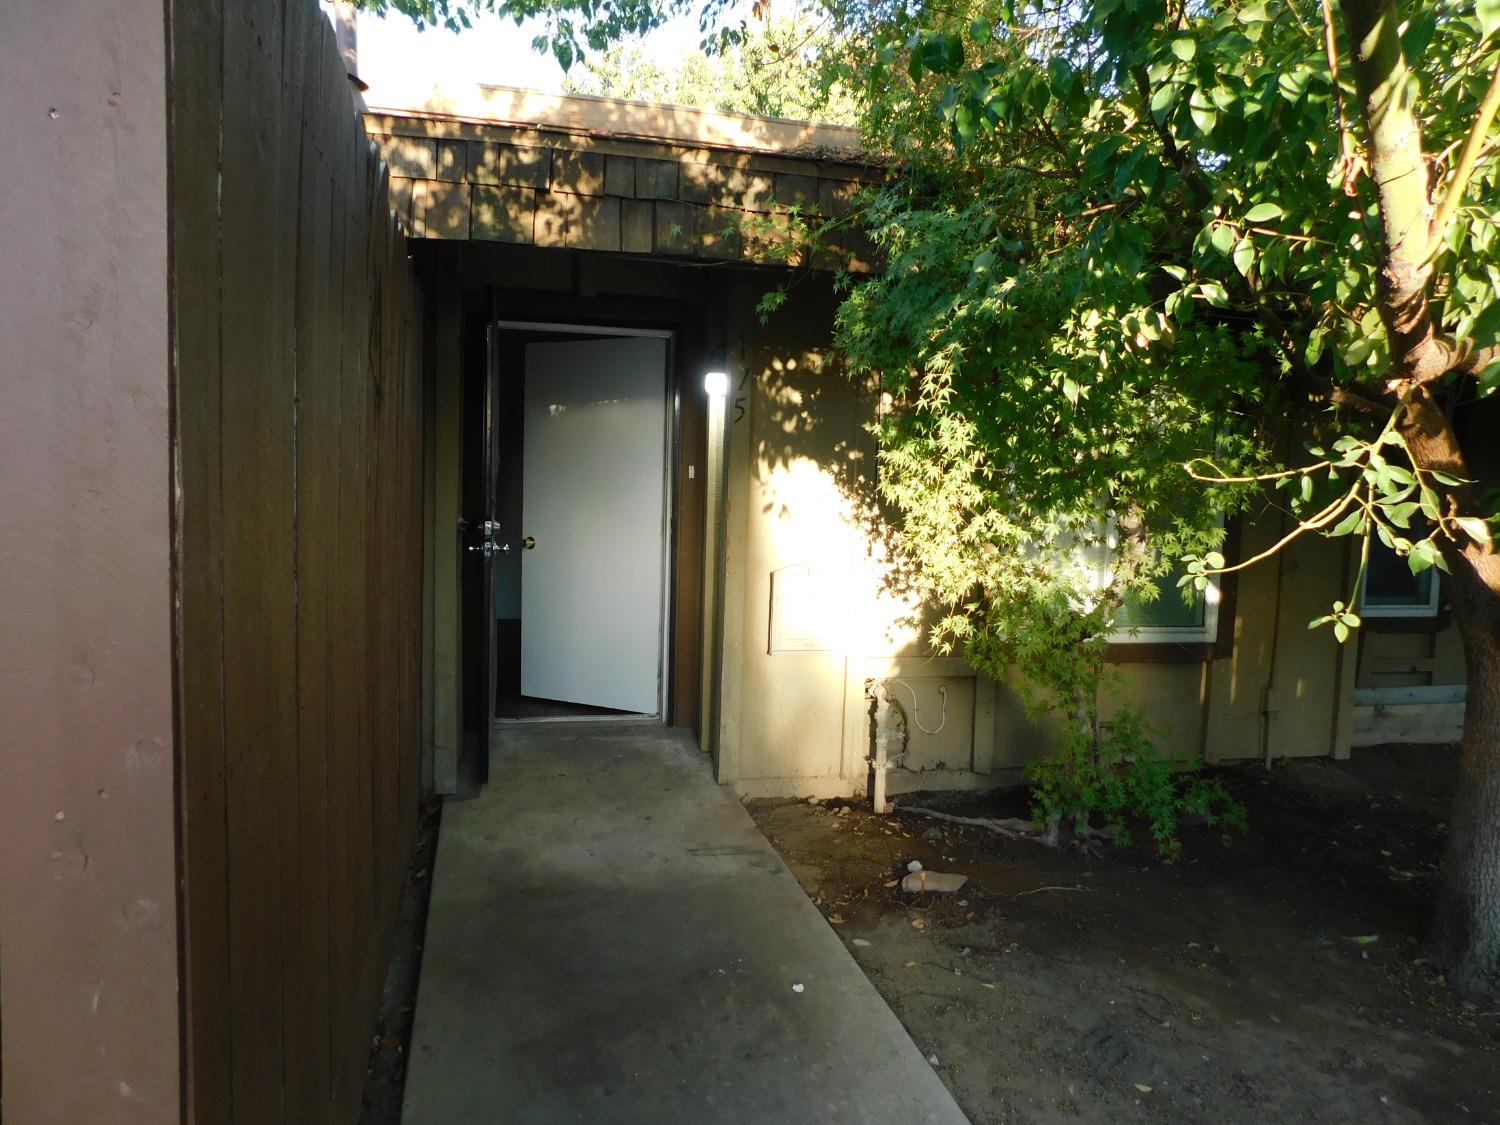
x=88, y=939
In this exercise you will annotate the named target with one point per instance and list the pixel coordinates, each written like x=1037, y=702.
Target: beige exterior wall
x=796, y=723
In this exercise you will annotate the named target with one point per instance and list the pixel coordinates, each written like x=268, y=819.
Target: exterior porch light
x=716, y=383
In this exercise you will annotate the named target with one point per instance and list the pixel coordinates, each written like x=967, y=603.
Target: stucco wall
x=87, y=858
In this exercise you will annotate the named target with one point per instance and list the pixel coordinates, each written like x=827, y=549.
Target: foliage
x=1134, y=243
x=773, y=72
x=574, y=28
x=1124, y=777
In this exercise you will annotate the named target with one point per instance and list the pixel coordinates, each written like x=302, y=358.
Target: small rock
x=933, y=1059
x=861, y=942
x=814, y=801
x=914, y=866
x=933, y=835
x=799, y=988
x=844, y=811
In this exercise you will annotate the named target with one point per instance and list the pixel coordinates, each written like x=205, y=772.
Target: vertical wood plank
x=257, y=450
x=195, y=104
x=307, y=984
x=287, y=190
x=301, y=449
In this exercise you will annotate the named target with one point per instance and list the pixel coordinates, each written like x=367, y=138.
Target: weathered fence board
x=299, y=410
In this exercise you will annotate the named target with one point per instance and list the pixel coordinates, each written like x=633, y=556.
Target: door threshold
x=507, y=721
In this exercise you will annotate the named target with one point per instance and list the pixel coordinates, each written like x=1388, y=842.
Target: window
x=1392, y=590
x=1169, y=619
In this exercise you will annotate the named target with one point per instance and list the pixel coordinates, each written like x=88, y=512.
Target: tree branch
x=1467, y=160
x=1348, y=160
x=1345, y=397
x=1398, y=168
x=1180, y=161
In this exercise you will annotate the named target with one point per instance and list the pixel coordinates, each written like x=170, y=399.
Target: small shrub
x=1122, y=776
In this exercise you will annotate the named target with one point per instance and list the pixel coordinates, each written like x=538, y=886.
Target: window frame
x=1206, y=634
x=1401, y=610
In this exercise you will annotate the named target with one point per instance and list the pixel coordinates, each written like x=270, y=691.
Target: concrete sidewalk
x=611, y=939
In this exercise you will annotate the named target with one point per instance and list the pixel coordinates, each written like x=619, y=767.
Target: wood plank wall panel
x=299, y=557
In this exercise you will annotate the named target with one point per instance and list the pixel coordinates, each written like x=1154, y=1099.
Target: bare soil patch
x=1271, y=977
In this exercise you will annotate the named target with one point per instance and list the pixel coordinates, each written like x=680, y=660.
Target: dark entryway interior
x=496, y=283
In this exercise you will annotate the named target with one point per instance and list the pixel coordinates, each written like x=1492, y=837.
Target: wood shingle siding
x=531, y=185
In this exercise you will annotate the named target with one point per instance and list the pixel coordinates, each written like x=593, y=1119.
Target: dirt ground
x=385, y=1070
x=1274, y=977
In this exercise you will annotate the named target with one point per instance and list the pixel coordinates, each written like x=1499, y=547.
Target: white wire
x=942, y=690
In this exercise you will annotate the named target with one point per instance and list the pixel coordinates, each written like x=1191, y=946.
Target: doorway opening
x=583, y=423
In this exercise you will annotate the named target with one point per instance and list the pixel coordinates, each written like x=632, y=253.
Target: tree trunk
x=1466, y=935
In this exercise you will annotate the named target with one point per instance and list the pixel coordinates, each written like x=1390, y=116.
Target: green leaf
x=1430, y=507
x=1215, y=294
x=1350, y=524
x=1418, y=34
x=1423, y=555
x=1263, y=213
x=1184, y=48
x=980, y=30
x=1223, y=238
x=1359, y=351
x=1244, y=256
x=1340, y=631
x=1162, y=100
x=1476, y=529
x=1401, y=514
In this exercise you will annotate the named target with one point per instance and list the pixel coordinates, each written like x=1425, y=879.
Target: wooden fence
x=298, y=562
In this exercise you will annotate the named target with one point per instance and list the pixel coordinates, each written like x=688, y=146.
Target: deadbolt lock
x=528, y=544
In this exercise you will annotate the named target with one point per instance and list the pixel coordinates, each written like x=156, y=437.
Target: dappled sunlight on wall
x=815, y=467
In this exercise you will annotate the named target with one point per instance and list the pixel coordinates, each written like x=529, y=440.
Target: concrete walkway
x=611, y=939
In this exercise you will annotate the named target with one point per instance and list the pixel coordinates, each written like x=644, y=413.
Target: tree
x=773, y=71
x=1138, y=245
x=1143, y=234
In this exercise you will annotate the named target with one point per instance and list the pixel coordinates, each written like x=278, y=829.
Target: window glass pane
x=1390, y=582
x=1168, y=611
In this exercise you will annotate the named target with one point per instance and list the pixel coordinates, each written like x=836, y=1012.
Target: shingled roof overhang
x=501, y=165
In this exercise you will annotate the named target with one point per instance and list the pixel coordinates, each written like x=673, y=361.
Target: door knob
x=529, y=543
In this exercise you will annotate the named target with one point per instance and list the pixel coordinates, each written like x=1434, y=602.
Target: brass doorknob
x=527, y=544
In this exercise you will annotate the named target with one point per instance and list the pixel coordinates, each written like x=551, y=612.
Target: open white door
x=594, y=502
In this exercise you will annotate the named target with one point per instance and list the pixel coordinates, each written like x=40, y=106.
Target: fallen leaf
x=893, y=883
x=918, y=924
x=836, y=919
x=1143, y=1088
x=911, y=964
